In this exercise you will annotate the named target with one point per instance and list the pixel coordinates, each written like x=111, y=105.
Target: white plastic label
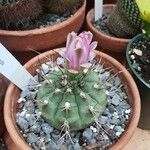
x=98, y=9
x=13, y=70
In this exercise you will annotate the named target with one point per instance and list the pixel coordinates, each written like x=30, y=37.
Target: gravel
x=42, y=136
x=101, y=25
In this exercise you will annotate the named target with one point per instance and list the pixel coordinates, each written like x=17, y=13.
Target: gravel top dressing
x=101, y=25
x=140, y=58
x=42, y=136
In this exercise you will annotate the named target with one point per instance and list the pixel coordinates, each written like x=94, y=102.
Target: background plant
x=125, y=20
x=18, y=11
x=61, y=6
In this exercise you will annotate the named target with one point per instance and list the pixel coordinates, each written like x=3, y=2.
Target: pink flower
x=79, y=49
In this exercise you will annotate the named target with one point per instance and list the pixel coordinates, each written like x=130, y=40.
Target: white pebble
x=139, y=68
x=138, y=52
x=93, y=129
x=21, y=99
x=127, y=117
x=112, y=126
x=132, y=57
x=127, y=111
x=118, y=133
x=107, y=93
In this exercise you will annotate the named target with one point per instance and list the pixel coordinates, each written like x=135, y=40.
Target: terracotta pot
x=106, y=42
x=12, y=95
x=43, y=38
x=3, y=87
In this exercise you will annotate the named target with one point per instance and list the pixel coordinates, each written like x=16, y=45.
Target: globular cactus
x=73, y=94
x=125, y=19
x=19, y=11
x=61, y=6
x=79, y=103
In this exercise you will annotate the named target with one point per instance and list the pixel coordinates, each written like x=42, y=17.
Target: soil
x=141, y=63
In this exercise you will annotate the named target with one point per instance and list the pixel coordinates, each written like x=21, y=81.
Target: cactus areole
x=73, y=96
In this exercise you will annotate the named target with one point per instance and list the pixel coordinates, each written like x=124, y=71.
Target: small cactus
x=60, y=6
x=73, y=94
x=18, y=11
x=125, y=20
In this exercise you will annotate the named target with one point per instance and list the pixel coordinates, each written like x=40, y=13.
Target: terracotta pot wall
x=3, y=87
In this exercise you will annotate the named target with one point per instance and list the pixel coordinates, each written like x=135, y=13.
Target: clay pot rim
x=122, y=141
x=135, y=39
x=89, y=22
x=52, y=28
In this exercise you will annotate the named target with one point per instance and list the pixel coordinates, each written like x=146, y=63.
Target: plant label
x=13, y=70
x=98, y=8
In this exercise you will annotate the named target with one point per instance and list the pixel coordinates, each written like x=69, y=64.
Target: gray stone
x=32, y=138
x=51, y=145
x=103, y=120
x=87, y=134
x=31, y=119
x=115, y=100
x=92, y=141
x=29, y=106
x=23, y=123
x=55, y=137
x=47, y=128
x=77, y=146
x=31, y=95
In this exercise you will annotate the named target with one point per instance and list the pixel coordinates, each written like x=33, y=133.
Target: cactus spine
x=125, y=20
x=19, y=11
x=78, y=99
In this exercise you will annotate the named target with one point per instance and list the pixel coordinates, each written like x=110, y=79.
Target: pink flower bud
x=78, y=49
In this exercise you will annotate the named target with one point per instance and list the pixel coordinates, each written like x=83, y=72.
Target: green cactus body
x=61, y=6
x=77, y=99
x=19, y=11
x=125, y=20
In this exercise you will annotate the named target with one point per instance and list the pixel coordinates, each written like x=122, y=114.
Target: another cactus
x=73, y=96
x=18, y=11
x=125, y=20
x=61, y=6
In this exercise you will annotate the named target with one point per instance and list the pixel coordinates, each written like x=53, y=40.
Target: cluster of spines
x=130, y=8
x=61, y=6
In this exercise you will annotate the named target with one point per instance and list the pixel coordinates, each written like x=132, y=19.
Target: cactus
x=19, y=11
x=73, y=94
x=125, y=20
x=61, y=6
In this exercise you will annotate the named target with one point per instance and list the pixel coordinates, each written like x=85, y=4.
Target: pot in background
x=106, y=42
x=44, y=38
x=12, y=95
